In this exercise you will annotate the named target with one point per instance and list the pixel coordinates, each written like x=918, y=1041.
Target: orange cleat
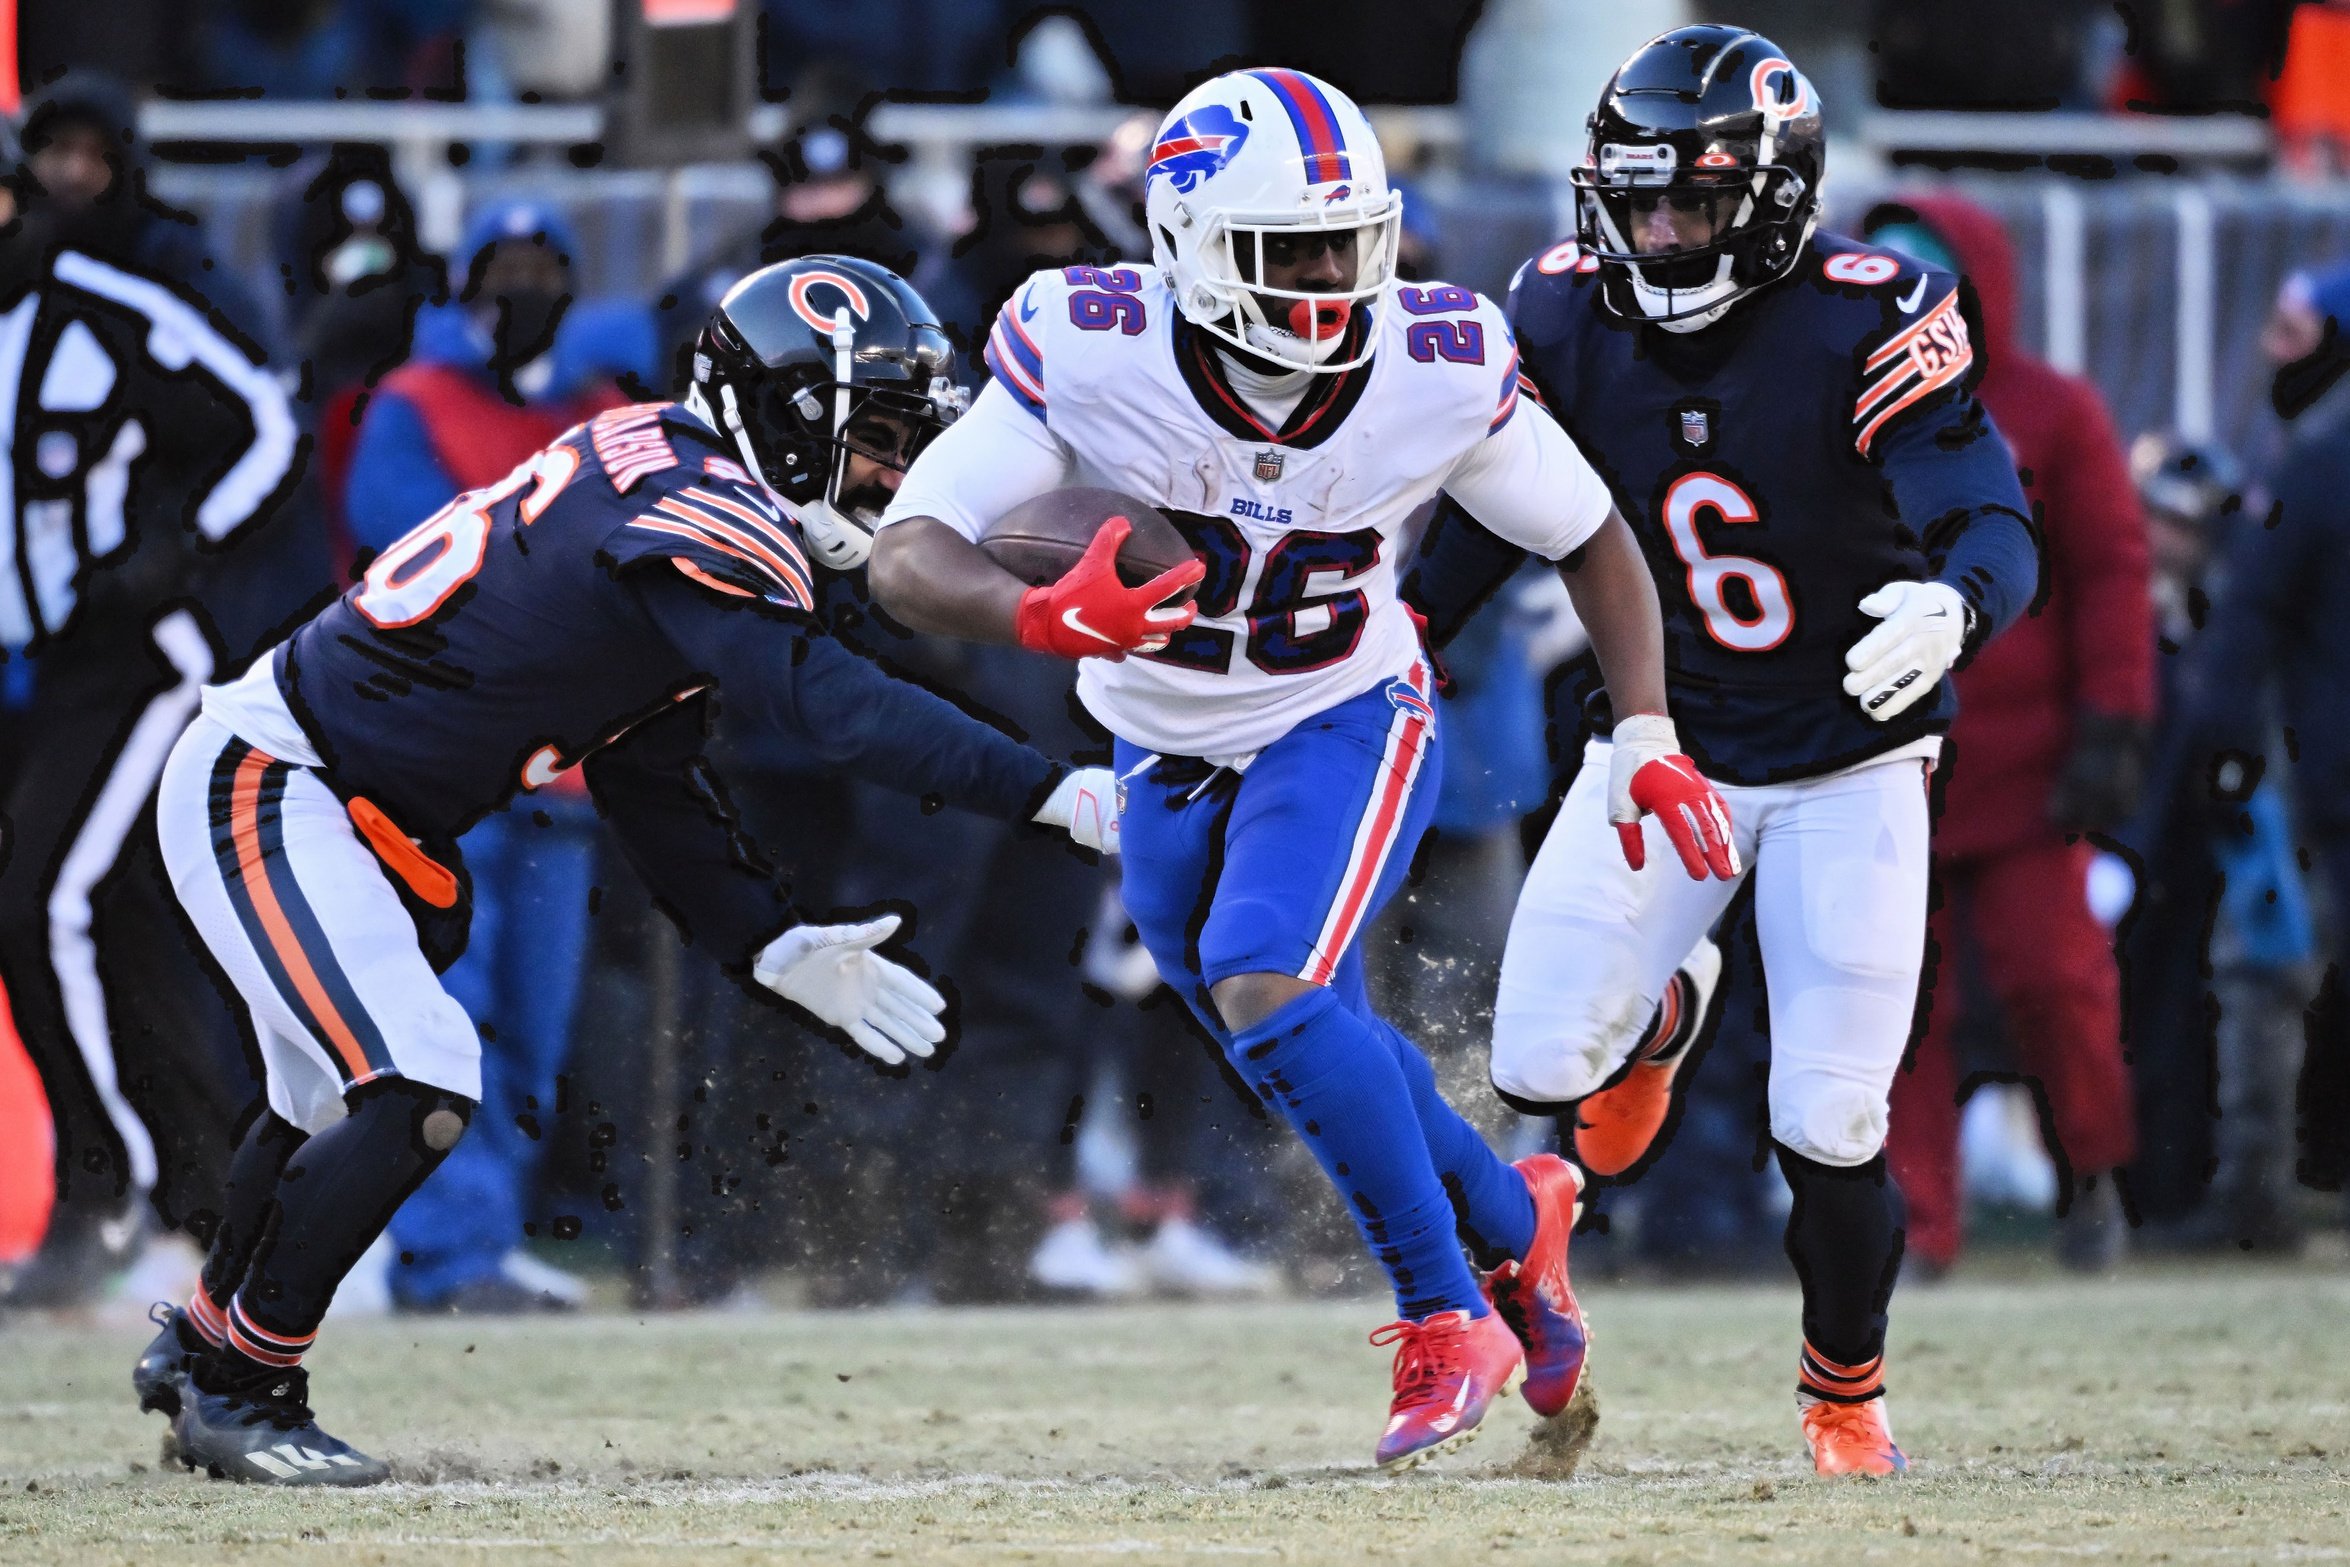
x=1449, y=1368
x=1534, y=1297
x=1616, y=1126
x=1851, y=1439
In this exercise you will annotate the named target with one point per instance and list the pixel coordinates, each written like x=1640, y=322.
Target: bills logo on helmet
x=807, y=306
x=1195, y=147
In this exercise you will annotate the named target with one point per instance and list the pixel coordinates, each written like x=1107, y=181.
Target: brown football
x=1039, y=540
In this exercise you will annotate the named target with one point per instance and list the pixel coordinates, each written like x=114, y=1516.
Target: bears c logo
x=806, y=306
x=1780, y=99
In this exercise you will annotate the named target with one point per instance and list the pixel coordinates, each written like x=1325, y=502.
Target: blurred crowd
x=2144, y=845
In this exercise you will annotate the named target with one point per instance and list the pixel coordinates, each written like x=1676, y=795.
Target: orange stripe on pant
x=245, y=825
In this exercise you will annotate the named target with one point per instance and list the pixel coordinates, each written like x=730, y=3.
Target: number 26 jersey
x=1099, y=381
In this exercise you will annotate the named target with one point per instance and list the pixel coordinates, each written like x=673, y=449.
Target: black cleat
x=255, y=1424
x=164, y=1362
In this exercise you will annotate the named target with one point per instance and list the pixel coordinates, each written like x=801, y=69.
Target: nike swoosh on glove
x=1087, y=805
x=1089, y=613
x=832, y=970
x=1896, y=665
x=1648, y=775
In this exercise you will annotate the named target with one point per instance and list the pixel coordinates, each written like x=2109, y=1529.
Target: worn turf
x=2162, y=1416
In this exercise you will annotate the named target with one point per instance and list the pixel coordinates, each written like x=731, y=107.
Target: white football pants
x=298, y=910
x=1840, y=904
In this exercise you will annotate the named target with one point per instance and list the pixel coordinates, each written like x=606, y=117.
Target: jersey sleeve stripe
x=1028, y=387
x=1935, y=353
x=760, y=571
x=686, y=565
x=1899, y=344
x=790, y=578
x=1508, y=403
x=761, y=527
x=786, y=562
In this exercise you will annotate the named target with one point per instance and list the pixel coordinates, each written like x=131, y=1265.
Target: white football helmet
x=1270, y=153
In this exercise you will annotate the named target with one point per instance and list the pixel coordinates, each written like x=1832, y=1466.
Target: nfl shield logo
x=1268, y=467
x=1694, y=428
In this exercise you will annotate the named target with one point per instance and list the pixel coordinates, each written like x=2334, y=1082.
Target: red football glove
x=1650, y=776
x=1089, y=613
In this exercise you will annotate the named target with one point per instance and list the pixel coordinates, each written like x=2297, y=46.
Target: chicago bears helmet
x=1707, y=121
x=1269, y=157
x=808, y=361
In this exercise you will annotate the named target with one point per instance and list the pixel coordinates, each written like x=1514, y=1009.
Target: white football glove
x=1085, y=804
x=833, y=971
x=1896, y=665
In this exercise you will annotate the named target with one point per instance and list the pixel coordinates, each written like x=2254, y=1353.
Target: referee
x=146, y=453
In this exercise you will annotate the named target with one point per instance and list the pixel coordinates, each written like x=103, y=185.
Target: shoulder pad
x=1460, y=332
x=726, y=536
x=1042, y=312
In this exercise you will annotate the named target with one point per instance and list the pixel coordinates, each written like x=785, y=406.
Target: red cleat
x=1851, y=1439
x=1449, y=1368
x=1534, y=1297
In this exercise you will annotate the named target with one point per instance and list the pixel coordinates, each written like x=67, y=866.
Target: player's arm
x=1953, y=481
x=784, y=673
x=1458, y=570
x=1528, y=484
x=929, y=572
x=679, y=833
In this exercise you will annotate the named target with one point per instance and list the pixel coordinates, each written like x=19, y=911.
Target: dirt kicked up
x=2158, y=1417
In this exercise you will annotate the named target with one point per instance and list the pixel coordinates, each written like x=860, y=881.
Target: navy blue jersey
x=581, y=610
x=1818, y=442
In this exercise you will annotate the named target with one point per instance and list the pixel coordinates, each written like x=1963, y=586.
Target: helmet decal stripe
x=1315, y=123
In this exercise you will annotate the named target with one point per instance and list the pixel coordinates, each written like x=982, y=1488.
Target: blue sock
x=1338, y=1083
x=1491, y=1200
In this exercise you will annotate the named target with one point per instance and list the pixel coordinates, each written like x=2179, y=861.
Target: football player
x=1269, y=386
x=1786, y=417
x=584, y=611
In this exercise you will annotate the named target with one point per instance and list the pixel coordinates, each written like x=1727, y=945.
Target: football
x=1039, y=540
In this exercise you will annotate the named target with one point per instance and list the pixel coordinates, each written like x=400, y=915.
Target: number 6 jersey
x=1818, y=442
x=1098, y=380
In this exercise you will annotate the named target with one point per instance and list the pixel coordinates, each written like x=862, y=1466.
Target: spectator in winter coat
x=2049, y=745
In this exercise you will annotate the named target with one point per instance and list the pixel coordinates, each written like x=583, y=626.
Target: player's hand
x=833, y=971
x=1086, y=804
x=1649, y=776
x=1089, y=613
x=1894, y=666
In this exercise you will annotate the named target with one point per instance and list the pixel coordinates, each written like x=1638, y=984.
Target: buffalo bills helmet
x=1708, y=121
x=808, y=361
x=1247, y=165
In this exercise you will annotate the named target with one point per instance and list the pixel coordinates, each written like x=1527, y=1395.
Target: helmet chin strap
x=837, y=542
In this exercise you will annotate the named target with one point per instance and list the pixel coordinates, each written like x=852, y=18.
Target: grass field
x=2158, y=1417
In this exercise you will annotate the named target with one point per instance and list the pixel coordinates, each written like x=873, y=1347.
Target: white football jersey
x=1097, y=383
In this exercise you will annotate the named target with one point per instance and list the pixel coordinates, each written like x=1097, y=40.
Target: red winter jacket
x=2089, y=642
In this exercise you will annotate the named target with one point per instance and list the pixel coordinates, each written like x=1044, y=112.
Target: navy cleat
x=165, y=1361
x=255, y=1424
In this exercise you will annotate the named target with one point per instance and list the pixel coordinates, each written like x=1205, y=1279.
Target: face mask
x=520, y=324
